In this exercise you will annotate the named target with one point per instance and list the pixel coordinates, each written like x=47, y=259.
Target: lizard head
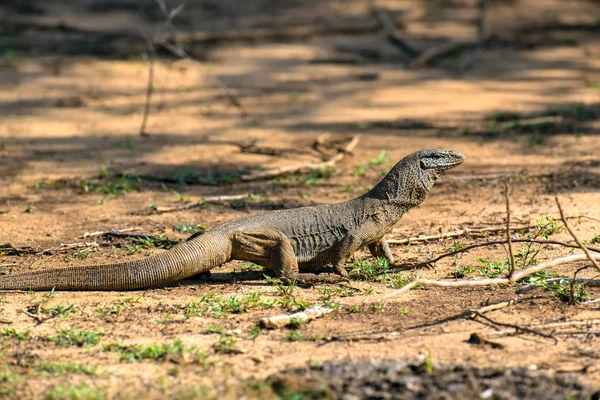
x=432, y=163
x=409, y=181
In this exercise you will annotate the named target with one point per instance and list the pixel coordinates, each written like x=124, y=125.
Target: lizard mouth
x=441, y=160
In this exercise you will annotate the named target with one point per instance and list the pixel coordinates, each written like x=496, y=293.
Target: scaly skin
x=292, y=242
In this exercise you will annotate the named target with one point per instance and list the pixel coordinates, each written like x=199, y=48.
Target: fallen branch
x=69, y=246
x=428, y=55
x=270, y=173
x=473, y=232
x=199, y=203
x=517, y=276
x=279, y=321
x=474, y=314
x=40, y=317
x=393, y=36
x=498, y=306
x=102, y=233
x=566, y=324
x=458, y=233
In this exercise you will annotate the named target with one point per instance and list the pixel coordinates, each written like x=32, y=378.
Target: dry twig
x=517, y=276
x=199, y=203
x=511, y=256
x=288, y=169
x=584, y=248
x=393, y=36
x=491, y=243
x=279, y=321
x=474, y=314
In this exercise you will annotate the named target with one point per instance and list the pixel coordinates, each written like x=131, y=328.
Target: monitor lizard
x=292, y=242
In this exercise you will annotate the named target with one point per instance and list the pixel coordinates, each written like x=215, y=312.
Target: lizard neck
x=401, y=189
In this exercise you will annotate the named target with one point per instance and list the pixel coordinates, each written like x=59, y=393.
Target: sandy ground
x=70, y=120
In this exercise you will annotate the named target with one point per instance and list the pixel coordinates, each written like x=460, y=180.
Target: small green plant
x=369, y=270
x=404, y=311
x=111, y=189
x=360, y=169
x=60, y=310
x=8, y=382
x=157, y=242
x=254, y=332
x=546, y=227
x=429, y=362
x=59, y=368
x=315, y=175
x=247, y=266
x=75, y=392
x=565, y=290
x=294, y=335
x=13, y=333
x=225, y=344
x=462, y=271
x=536, y=139
x=71, y=337
x=189, y=228
x=213, y=328
x=378, y=307
x=155, y=351
x=456, y=246
x=493, y=269
x=356, y=309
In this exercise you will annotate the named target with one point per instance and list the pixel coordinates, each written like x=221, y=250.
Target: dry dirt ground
x=72, y=161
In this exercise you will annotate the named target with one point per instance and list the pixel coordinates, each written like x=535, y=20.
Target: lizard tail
x=184, y=260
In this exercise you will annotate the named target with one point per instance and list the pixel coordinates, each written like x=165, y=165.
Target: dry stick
x=495, y=242
x=498, y=306
x=508, y=238
x=565, y=324
x=40, y=318
x=270, y=173
x=279, y=321
x=471, y=231
x=476, y=53
x=437, y=51
x=393, y=36
x=458, y=233
x=584, y=248
x=102, y=233
x=475, y=313
x=199, y=203
x=149, y=55
x=518, y=275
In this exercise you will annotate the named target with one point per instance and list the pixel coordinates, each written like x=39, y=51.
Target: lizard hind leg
x=272, y=249
x=267, y=247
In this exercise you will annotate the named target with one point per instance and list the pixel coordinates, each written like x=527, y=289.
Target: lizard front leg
x=354, y=240
x=272, y=249
x=381, y=249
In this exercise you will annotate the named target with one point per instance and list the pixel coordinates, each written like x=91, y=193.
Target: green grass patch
x=71, y=337
x=13, y=333
x=59, y=368
x=75, y=392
